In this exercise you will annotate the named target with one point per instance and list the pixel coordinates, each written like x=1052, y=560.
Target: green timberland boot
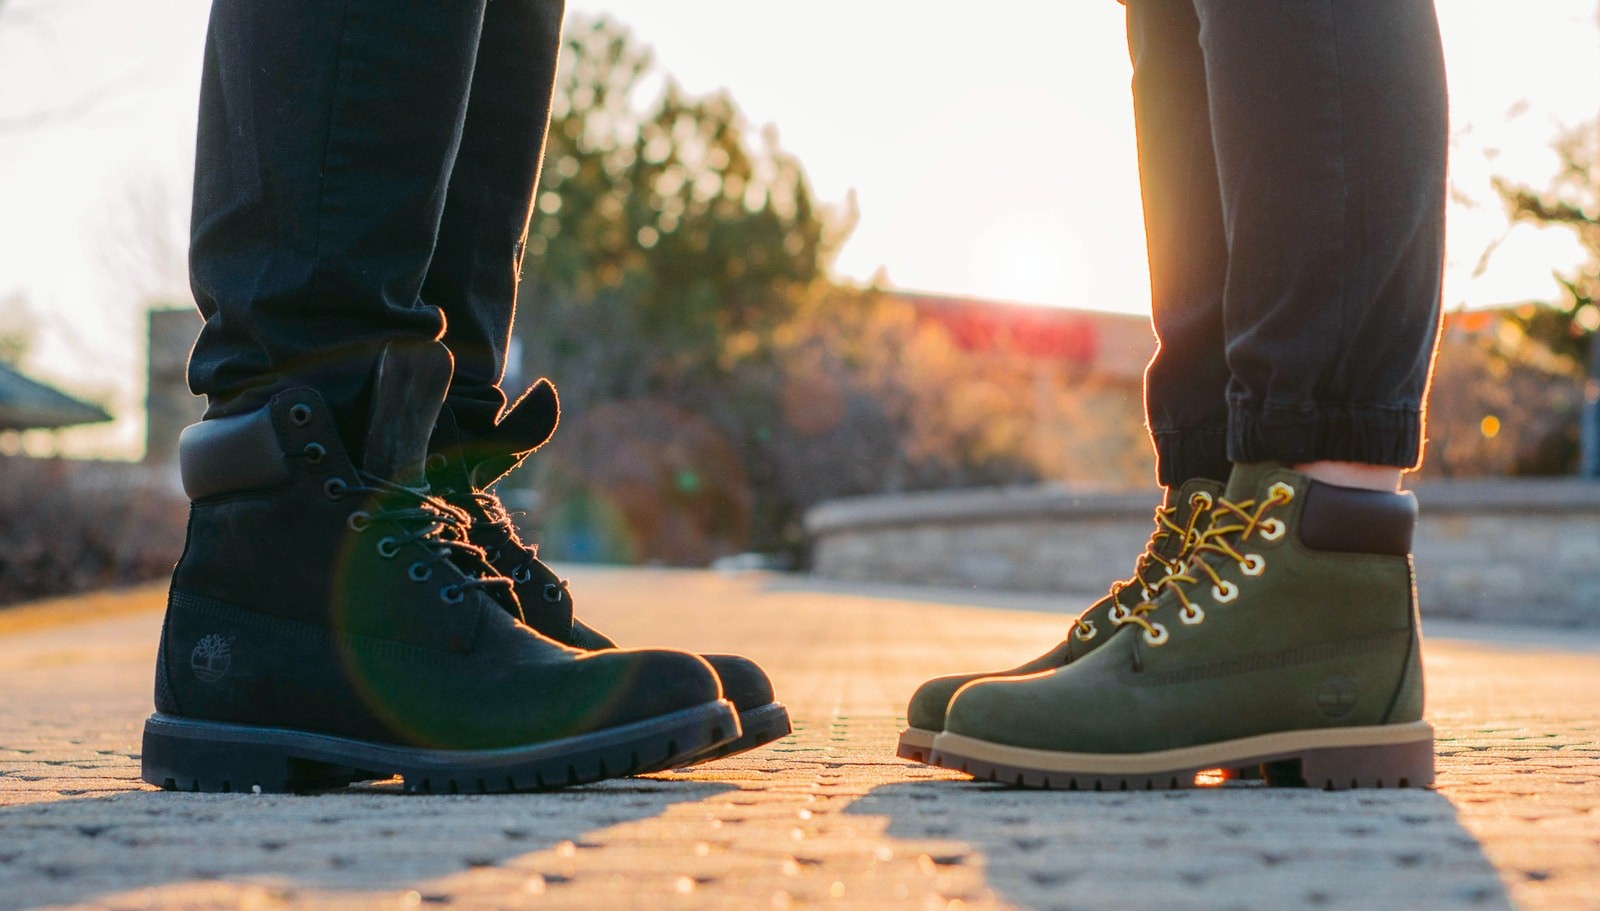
x=1289, y=640
x=1176, y=521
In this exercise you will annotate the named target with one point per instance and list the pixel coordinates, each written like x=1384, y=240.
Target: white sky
x=991, y=155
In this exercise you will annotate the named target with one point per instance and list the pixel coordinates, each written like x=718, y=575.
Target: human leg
x=327, y=133
x=327, y=622
x=473, y=278
x=1290, y=638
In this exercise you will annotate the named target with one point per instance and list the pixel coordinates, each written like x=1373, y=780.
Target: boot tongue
x=408, y=389
x=1249, y=479
x=526, y=426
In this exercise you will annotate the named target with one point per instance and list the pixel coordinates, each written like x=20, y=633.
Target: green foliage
x=666, y=240
x=715, y=382
x=1567, y=327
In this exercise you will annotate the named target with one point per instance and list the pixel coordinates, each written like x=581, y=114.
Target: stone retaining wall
x=1509, y=551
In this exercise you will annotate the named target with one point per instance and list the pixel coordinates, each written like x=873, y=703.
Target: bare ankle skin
x=1353, y=474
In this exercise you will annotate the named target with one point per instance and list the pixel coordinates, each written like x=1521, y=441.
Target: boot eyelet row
x=521, y=574
x=1225, y=592
x=334, y=488
x=314, y=453
x=358, y=521
x=1253, y=565
x=388, y=547
x=300, y=414
x=452, y=594
x=1272, y=529
x=419, y=572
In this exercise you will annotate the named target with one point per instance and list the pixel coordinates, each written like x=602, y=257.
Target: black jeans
x=1292, y=157
x=365, y=172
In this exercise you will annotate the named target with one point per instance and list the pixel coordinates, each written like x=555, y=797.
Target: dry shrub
x=70, y=526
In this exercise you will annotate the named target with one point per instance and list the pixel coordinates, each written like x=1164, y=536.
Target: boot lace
x=504, y=536
x=441, y=529
x=1232, y=525
x=1145, y=574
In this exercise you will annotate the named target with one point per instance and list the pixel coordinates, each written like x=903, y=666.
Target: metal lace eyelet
x=419, y=572
x=552, y=592
x=335, y=488
x=452, y=594
x=1156, y=634
x=494, y=555
x=314, y=453
x=1253, y=565
x=1272, y=529
x=1280, y=488
x=521, y=574
x=1118, y=613
x=300, y=414
x=435, y=462
x=1085, y=630
x=388, y=547
x=1191, y=614
x=1225, y=592
x=358, y=520
x=1200, y=500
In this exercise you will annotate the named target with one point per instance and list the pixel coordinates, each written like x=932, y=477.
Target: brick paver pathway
x=827, y=818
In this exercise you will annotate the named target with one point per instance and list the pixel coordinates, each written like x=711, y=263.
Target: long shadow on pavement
x=1238, y=846
x=228, y=849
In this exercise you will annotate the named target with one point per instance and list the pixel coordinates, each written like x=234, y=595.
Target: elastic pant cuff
x=1369, y=434
x=1195, y=452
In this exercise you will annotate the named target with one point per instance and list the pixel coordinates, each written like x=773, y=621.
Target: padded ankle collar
x=1350, y=520
x=227, y=455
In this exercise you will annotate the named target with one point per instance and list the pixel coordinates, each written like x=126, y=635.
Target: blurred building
x=1085, y=372
x=169, y=405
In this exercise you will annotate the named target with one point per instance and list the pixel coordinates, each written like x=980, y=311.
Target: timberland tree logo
x=211, y=657
x=1337, y=696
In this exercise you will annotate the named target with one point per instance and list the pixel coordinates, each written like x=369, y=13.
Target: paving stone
x=825, y=818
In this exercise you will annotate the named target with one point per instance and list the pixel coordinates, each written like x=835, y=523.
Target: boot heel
x=1388, y=765
x=182, y=762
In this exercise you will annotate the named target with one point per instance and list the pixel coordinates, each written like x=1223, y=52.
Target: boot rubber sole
x=1378, y=756
x=916, y=744
x=761, y=725
x=185, y=754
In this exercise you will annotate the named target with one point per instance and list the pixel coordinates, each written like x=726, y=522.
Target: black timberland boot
x=329, y=623
x=462, y=468
x=1176, y=521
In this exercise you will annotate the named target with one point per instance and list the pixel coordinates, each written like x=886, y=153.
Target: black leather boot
x=329, y=622
x=462, y=469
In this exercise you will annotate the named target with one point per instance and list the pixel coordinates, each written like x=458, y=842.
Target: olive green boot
x=1289, y=640
x=1176, y=521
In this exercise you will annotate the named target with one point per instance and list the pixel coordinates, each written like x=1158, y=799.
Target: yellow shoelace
x=1232, y=524
x=1166, y=526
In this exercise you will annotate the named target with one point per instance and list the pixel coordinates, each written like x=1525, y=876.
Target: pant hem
x=1192, y=452
x=1370, y=434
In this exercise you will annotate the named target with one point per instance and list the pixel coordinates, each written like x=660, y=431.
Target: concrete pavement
x=827, y=818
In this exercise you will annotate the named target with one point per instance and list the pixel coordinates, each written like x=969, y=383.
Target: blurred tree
x=715, y=381
x=1568, y=327
x=665, y=244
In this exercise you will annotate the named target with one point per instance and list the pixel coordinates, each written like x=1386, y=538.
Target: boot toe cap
x=744, y=683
